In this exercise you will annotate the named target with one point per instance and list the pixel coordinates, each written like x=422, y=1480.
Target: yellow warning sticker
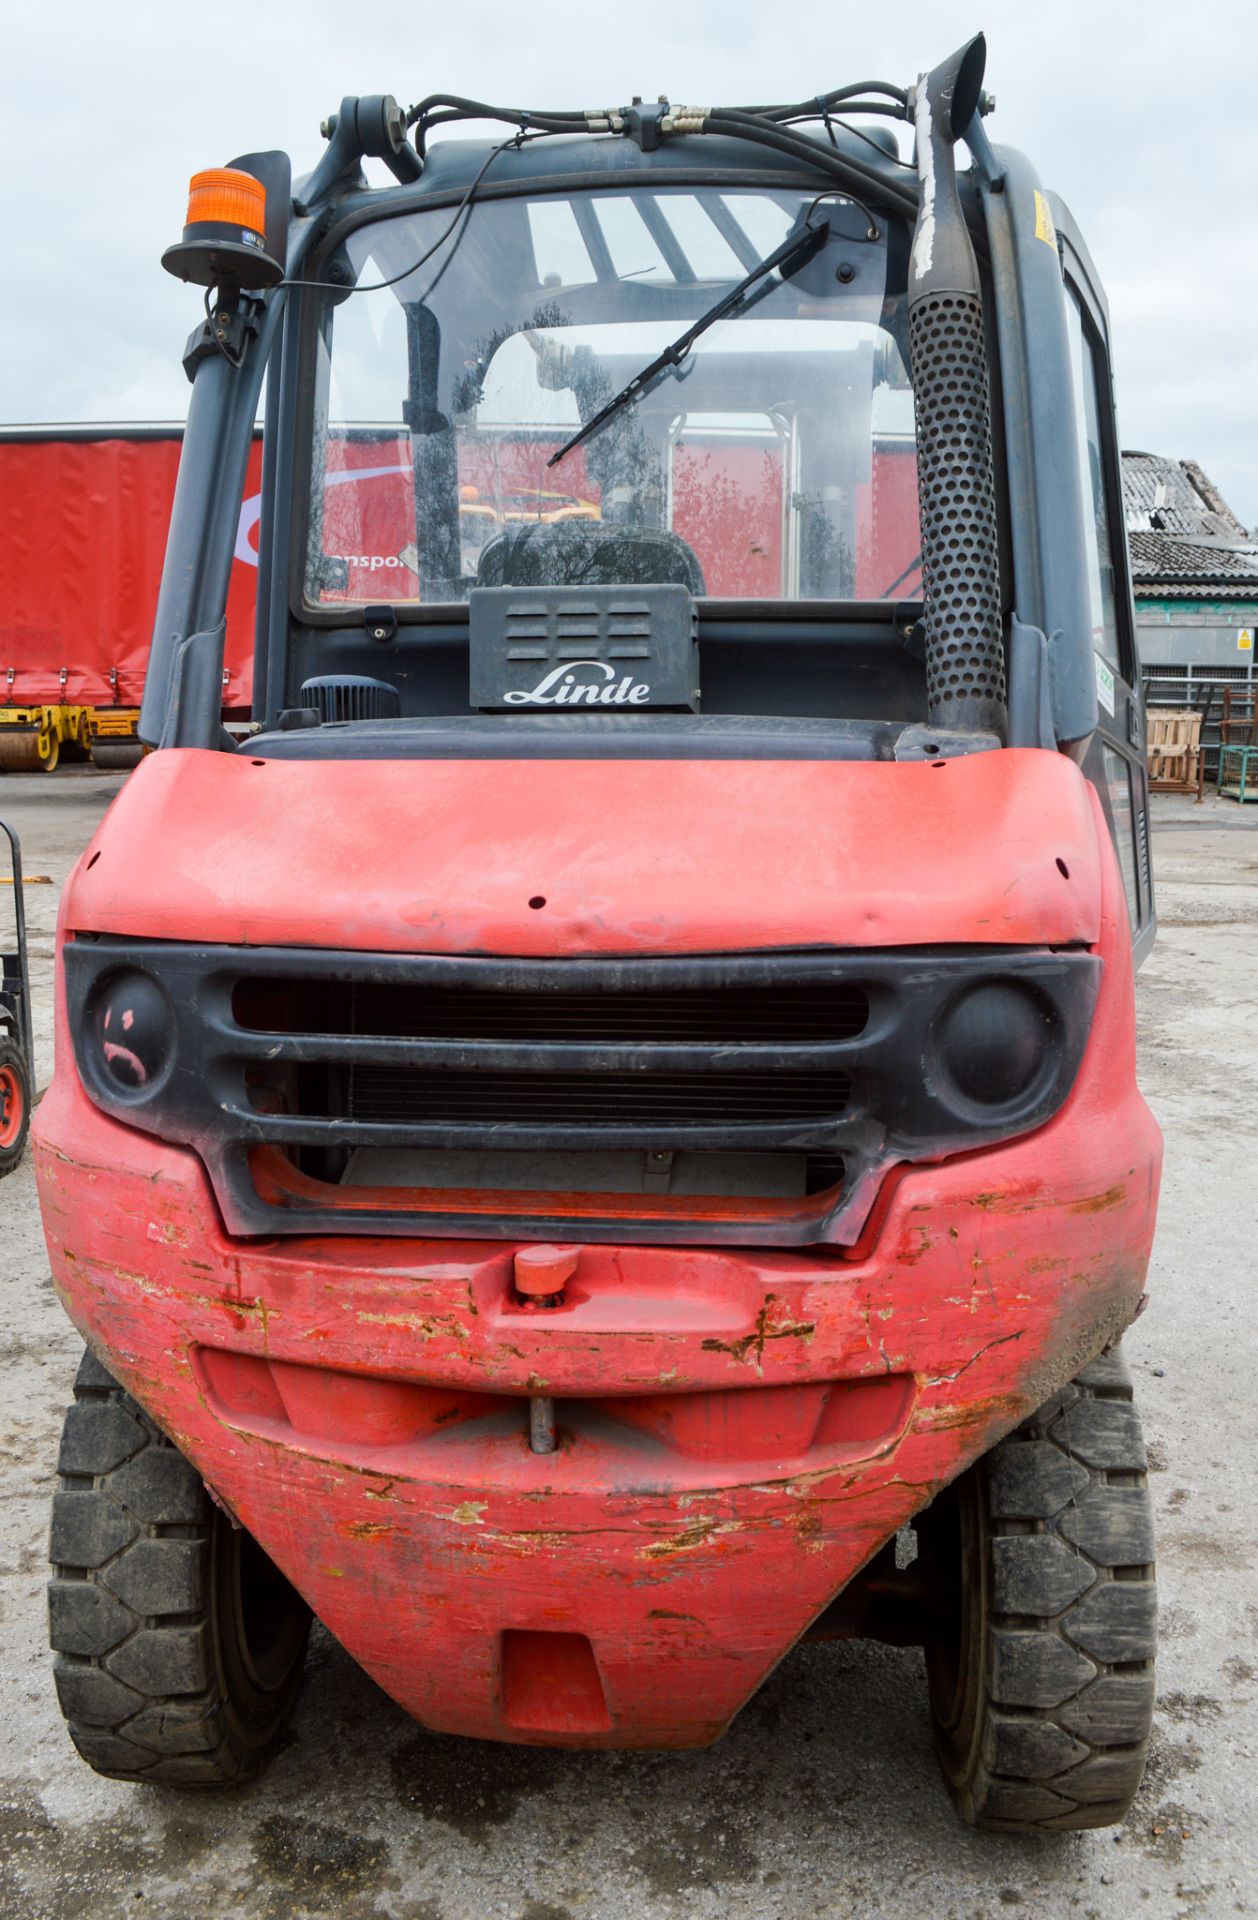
x=1044, y=228
x=1244, y=640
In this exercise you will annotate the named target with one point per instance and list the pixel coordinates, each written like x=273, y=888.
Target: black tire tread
x=130, y=1547
x=1074, y=1615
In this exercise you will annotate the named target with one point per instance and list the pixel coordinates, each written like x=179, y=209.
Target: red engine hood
x=547, y=857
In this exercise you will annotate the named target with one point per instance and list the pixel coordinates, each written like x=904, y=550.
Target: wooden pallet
x=1174, y=750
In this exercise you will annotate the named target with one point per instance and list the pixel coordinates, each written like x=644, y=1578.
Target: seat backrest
x=588, y=553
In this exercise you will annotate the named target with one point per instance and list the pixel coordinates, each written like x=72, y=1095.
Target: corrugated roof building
x=1194, y=572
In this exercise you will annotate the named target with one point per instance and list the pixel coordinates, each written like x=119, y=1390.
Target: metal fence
x=1199, y=689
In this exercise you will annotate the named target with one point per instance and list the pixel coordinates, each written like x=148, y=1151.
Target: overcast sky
x=1141, y=115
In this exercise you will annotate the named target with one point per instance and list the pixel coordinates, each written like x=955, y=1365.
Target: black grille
x=300, y=1057
x=385, y=1095
x=794, y=1013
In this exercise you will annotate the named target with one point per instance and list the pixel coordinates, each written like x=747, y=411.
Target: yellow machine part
x=31, y=738
x=114, y=741
x=113, y=723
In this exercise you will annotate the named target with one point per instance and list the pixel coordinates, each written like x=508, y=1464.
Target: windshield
x=775, y=462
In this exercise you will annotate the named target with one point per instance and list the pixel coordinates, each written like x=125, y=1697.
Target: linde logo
x=561, y=688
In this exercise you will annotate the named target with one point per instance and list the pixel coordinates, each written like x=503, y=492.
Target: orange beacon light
x=224, y=238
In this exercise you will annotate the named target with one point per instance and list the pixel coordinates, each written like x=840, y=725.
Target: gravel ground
x=823, y=1799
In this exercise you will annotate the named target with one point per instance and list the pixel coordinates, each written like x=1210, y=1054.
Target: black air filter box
x=351, y=696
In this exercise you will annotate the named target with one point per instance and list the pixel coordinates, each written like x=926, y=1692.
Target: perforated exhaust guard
x=965, y=664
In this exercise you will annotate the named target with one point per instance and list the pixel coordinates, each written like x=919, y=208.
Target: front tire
x=15, y=1105
x=1041, y=1680
x=179, y=1645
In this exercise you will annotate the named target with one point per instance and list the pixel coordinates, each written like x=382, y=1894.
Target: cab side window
x=1134, y=868
x=1086, y=368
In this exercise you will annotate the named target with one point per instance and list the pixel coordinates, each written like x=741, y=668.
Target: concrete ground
x=823, y=1799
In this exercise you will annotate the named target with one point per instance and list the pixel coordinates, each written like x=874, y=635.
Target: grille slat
x=600, y=1099
x=713, y=1016
x=660, y=1055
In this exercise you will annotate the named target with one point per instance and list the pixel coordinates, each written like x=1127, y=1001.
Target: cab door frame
x=1117, y=760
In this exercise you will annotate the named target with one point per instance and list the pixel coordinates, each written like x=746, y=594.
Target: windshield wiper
x=795, y=251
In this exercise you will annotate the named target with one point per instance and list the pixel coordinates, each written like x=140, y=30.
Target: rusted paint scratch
x=699, y=1531
x=1100, y=1202
x=1002, y=1340
x=427, y=1325
x=756, y=1341
x=468, y=1513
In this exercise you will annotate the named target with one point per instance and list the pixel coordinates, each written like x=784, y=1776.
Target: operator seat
x=588, y=553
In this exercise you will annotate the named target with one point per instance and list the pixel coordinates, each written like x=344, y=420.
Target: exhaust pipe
x=965, y=666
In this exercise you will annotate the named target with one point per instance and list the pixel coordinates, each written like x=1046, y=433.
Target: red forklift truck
x=577, y=1157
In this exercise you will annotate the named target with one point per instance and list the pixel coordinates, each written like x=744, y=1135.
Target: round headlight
x=133, y=1028
x=994, y=1042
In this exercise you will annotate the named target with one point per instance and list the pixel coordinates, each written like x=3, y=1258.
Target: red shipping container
x=83, y=519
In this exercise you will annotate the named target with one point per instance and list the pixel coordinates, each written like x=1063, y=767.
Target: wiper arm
x=795, y=251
